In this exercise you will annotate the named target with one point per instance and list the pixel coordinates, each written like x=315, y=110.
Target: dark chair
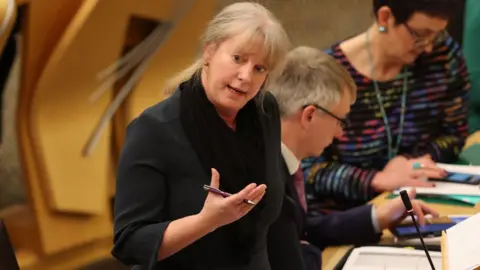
x=8, y=260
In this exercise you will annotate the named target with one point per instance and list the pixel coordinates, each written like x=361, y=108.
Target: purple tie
x=300, y=187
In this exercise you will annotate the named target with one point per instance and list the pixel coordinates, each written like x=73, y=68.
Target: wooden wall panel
x=178, y=52
x=66, y=43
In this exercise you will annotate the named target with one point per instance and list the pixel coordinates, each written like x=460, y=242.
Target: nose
x=245, y=73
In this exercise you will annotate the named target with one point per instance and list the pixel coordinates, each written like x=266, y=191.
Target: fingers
x=412, y=193
x=428, y=168
x=429, y=210
x=428, y=172
x=418, y=212
x=421, y=209
x=215, y=180
x=238, y=198
x=419, y=183
x=255, y=196
x=426, y=156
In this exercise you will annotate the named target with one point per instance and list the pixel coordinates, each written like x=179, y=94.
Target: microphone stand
x=408, y=206
x=421, y=240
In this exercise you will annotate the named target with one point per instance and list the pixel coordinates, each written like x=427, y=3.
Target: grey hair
x=310, y=77
x=254, y=23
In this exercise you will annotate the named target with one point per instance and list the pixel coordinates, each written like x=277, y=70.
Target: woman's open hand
x=218, y=211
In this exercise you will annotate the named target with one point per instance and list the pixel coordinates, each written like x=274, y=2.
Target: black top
x=160, y=179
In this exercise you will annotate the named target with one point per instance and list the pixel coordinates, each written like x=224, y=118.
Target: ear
x=385, y=17
x=306, y=116
x=209, y=51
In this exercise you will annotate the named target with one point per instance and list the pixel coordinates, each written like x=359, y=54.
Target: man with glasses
x=314, y=94
x=411, y=109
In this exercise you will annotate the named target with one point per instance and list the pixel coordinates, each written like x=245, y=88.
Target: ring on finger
x=418, y=165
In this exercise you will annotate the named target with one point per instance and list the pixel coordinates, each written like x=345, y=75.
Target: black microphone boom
x=408, y=206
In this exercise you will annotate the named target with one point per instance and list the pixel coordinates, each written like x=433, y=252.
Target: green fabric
x=471, y=43
x=470, y=156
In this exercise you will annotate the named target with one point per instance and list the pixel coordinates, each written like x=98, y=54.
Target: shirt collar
x=290, y=159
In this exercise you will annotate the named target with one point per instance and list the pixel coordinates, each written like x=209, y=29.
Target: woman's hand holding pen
x=219, y=211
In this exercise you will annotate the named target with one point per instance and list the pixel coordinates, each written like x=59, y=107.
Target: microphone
x=408, y=206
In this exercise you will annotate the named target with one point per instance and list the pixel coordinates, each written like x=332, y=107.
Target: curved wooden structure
x=67, y=221
x=8, y=12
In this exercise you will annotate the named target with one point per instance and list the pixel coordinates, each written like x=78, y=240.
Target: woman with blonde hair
x=217, y=130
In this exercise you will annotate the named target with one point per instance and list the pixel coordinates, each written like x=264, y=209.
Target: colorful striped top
x=435, y=123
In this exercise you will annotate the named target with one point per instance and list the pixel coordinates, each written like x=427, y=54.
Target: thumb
x=215, y=181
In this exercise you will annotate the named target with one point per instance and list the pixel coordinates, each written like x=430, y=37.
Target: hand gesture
x=393, y=212
x=400, y=172
x=219, y=211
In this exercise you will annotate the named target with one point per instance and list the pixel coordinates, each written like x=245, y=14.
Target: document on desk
x=449, y=188
x=445, y=188
x=467, y=169
x=463, y=244
x=382, y=258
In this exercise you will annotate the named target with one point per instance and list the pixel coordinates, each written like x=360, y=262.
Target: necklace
x=392, y=151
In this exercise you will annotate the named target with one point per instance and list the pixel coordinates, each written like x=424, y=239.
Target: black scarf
x=238, y=156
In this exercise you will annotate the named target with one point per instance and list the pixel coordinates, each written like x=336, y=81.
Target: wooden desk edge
x=332, y=255
x=443, y=246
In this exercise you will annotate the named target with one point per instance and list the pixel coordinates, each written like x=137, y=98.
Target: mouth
x=236, y=90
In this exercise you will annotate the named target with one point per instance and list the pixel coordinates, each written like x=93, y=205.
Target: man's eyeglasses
x=422, y=41
x=343, y=123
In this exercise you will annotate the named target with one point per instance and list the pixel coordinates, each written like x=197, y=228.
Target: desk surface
x=331, y=256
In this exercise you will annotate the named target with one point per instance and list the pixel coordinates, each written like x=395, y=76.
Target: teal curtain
x=471, y=46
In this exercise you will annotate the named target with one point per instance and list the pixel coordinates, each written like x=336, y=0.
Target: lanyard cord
x=392, y=152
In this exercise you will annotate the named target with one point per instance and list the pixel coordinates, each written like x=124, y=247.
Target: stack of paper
x=445, y=188
x=381, y=258
x=462, y=192
x=463, y=244
x=467, y=169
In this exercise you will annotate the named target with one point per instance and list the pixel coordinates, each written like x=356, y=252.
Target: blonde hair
x=254, y=22
x=310, y=77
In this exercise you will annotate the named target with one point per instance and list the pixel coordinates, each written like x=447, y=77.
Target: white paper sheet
x=468, y=169
x=463, y=244
x=381, y=258
x=448, y=188
x=445, y=188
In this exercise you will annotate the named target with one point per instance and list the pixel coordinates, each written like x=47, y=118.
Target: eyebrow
x=425, y=31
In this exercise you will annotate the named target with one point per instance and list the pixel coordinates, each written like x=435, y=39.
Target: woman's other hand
x=400, y=172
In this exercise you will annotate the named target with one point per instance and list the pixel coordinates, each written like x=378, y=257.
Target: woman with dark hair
x=411, y=107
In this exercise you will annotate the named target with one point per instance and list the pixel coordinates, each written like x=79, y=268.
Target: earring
x=382, y=29
x=205, y=64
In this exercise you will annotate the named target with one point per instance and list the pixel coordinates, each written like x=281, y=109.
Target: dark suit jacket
x=160, y=179
x=340, y=228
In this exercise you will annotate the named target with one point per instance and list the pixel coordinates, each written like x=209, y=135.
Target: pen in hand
x=224, y=194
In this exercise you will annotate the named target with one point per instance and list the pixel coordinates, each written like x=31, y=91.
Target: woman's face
x=416, y=36
x=234, y=74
